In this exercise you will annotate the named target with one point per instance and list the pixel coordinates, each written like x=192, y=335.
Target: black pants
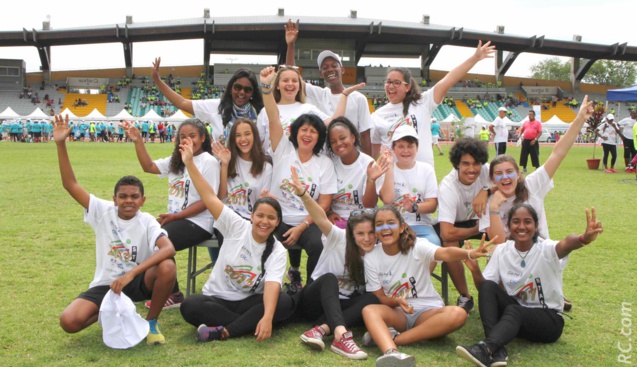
x=629, y=149
x=320, y=303
x=185, y=234
x=310, y=241
x=500, y=148
x=533, y=150
x=503, y=319
x=238, y=317
x=612, y=149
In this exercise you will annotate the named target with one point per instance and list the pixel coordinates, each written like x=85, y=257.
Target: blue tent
x=624, y=94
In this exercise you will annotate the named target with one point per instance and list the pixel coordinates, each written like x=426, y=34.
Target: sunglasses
x=294, y=67
x=357, y=213
x=238, y=88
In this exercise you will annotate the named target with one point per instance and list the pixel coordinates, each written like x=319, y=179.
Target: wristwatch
x=414, y=208
x=487, y=189
x=266, y=86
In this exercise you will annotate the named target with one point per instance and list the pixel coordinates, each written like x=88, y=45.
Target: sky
x=596, y=21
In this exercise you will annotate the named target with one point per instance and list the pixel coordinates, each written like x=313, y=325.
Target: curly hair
x=344, y=122
x=476, y=148
x=176, y=165
x=316, y=123
x=407, y=239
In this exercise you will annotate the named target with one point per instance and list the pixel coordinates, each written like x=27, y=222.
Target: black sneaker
x=499, y=358
x=295, y=279
x=465, y=302
x=568, y=305
x=478, y=354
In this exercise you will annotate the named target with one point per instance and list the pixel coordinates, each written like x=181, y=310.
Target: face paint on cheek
x=510, y=176
x=386, y=226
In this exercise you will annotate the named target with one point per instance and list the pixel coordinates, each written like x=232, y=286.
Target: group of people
x=609, y=134
x=287, y=166
x=26, y=131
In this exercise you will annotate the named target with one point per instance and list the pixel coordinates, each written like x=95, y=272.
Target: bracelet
x=266, y=92
x=307, y=223
x=469, y=255
x=581, y=241
x=303, y=193
x=493, y=212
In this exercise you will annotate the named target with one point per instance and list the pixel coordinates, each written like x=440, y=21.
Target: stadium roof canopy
x=265, y=35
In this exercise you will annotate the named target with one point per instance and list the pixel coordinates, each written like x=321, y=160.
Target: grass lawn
x=49, y=259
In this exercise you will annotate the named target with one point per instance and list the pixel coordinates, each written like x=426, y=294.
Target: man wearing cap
x=435, y=134
x=499, y=130
x=626, y=125
x=607, y=132
x=326, y=99
x=531, y=131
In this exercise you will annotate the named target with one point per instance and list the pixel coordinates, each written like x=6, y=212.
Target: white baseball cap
x=433, y=119
x=502, y=109
x=404, y=131
x=610, y=116
x=122, y=326
x=325, y=54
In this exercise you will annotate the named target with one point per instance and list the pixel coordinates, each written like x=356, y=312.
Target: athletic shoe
x=208, y=334
x=524, y=170
x=614, y=170
x=295, y=278
x=608, y=170
x=478, y=354
x=314, y=338
x=369, y=342
x=568, y=305
x=627, y=169
x=465, y=302
x=173, y=301
x=347, y=348
x=499, y=358
x=154, y=337
x=393, y=358
x=633, y=169
x=441, y=154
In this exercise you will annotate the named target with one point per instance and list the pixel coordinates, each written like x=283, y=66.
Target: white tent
x=555, y=123
x=8, y=113
x=451, y=118
x=94, y=115
x=555, y=120
x=480, y=120
x=72, y=116
x=178, y=116
x=122, y=115
x=37, y=114
x=151, y=115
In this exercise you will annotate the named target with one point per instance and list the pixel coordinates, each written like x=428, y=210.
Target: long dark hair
x=413, y=94
x=407, y=239
x=257, y=155
x=315, y=122
x=269, y=243
x=342, y=121
x=176, y=164
x=521, y=193
x=353, y=260
x=533, y=213
x=226, y=109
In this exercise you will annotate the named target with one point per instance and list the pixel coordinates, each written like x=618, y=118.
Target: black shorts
x=144, y=134
x=135, y=290
x=629, y=148
x=464, y=224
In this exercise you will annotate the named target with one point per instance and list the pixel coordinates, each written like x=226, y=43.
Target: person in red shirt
x=532, y=129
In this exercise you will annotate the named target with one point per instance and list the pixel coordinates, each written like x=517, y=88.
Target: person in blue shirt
x=145, y=127
x=120, y=131
x=436, y=133
x=36, y=131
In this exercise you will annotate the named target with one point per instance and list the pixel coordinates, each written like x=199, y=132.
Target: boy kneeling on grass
x=125, y=240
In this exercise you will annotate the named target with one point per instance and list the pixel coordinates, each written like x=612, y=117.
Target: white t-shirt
x=238, y=267
x=244, y=189
x=469, y=128
x=317, y=175
x=389, y=117
x=419, y=183
x=542, y=272
x=120, y=245
x=208, y=111
x=627, y=127
x=538, y=184
x=351, y=182
x=357, y=110
x=287, y=114
x=455, y=199
x=609, y=132
x=501, y=133
x=182, y=192
x=332, y=260
x=404, y=275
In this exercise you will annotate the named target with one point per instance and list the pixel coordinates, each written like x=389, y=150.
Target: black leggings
x=185, y=234
x=504, y=319
x=310, y=241
x=612, y=149
x=320, y=303
x=533, y=150
x=238, y=317
x=501, y=148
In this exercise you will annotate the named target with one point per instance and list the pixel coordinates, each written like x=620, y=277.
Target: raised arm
x=387, y=192
x=458, y=254
x=208, y=196
x=291, y=34
x=61, y=131
x=316, y=211
x=566, y=142
x=456, y=74
x=342, y=102
x=174, y=97
x=496, y=227
x=140, y=148
x=574, y=242
x=223, y=154
x=374, y=171
x=267, y=77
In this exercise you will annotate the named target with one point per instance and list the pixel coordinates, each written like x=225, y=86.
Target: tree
x=611, y=72
x=551, y=69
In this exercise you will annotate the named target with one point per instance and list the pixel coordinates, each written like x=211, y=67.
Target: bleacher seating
x=94, y=101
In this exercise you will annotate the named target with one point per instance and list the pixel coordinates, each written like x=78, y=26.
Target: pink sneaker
x=314, y=338
x=608, y=170
x=173, y=301
x=614, y=170
x=347, y=348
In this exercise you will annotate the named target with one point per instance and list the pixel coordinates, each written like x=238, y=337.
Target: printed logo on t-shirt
x=238, y=194
x=400, y=288
x=287, y=190
x=527, y=292
x=241, y=277
x=351, y=199
x=120, y=259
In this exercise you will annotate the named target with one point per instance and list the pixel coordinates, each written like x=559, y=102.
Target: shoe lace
x=349, y=344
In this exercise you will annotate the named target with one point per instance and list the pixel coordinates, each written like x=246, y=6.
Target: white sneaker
x=394, y=358
x=369, y=342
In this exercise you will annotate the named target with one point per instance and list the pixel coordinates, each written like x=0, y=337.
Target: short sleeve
x=163, y=165
x=372, y=281
x=231, y=224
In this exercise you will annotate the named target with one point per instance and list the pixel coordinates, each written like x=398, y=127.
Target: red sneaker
x=173, y=301
x=347, y=348
x=314, y=338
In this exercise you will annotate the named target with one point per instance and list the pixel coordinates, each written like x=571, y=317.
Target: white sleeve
x=447, y=203
x=485, y=220
x=263, y=128
x=491, y=271
x=231, y=224
x=205, y=109
x=538, y=183
x=211, y=171
x=425, y=250
x=372, y=282
x=275, y=264
x=362, y=112
x=431, y=183
x=163, y=165
x=154, y=231
x=328, y=178
x=376, y=139
x=334, y=239
x=96, y=207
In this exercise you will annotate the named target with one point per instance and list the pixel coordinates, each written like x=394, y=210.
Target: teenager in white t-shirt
x=408, y=106
x=243, y=294
x=241, y=98
x=187, y=221
x=302, y=150
x=133, y=254
x=327, y=99
x=520, y=289
x=500, y=133
x=397, y=272
x=335, y=294
x=625, y=128
x=607, y=132
x=356, y=173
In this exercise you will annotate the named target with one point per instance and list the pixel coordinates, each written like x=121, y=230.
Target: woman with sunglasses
x=335, y=294
x=241, y=98
x=407, y=105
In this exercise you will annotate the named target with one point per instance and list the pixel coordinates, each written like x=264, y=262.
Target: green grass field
x=49, y=258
